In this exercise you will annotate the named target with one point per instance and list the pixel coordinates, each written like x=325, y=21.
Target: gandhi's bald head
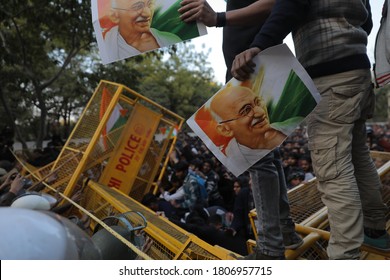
x=224, y=103
x=241, y=114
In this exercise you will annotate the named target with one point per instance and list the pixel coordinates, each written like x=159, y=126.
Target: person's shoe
x=260, y=256
x=381, y=243
x=292, y=240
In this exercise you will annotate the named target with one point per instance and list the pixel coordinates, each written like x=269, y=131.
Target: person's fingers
x=239, y=68
x=243, y=65
x=190, y=16
x=188, y=8
x=186, y=2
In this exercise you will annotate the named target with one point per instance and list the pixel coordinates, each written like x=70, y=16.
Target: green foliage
x=49, y=68
x=40, y=40
x=181, y=82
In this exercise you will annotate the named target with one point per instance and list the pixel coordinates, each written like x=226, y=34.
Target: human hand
x=8, y=179
x=11, y=176
x=230, y=231
x=162, y=190
x=17, y=184
x=243, y=65
x=174, y=204
x=200, y=173
x=192, y=10
x=52, y=178
x=229, y=217
x=77, y=196
x=161, y=214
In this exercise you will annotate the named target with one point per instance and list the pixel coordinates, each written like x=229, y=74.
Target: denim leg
x=368, y=181
x=286, y=222
x=265, y=189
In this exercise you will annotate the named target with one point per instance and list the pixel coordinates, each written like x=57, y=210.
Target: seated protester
x=243, y=204
x=291, y=163
x=216, y=221
x=225, y=187
x=192, y=195
x=178, y=195
x=160, y=206
x=195, y=168
x=214, y=197
x=221, y=212
x=239, y=183
x=304, y=163
x=296, y=177
x=197, y=222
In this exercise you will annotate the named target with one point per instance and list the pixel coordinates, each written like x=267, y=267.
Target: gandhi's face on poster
x=133, y=15
x=242, y=114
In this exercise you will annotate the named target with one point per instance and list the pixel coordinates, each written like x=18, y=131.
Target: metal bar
x=308, y=241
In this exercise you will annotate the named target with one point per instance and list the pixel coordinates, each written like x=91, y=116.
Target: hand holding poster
x=125, y=28
x=244, y=121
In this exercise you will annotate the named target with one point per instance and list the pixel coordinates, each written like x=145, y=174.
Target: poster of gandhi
x=126, y=28
x=246, y=120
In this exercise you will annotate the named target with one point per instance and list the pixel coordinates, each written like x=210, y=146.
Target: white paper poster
x=244, y=121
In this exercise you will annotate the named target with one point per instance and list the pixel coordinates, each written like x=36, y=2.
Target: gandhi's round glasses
x=247, y=111
x=138, y=6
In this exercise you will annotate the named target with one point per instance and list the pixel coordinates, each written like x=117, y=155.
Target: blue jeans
x=272, y=206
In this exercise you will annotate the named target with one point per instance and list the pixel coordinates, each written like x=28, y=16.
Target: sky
x=213, y=39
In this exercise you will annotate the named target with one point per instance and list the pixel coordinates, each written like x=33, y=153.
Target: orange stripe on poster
x=123, y=167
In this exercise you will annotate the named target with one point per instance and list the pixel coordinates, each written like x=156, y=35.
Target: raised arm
x=200, y=10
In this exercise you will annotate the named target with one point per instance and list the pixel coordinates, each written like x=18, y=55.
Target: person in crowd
x=295, y=178
x=225, y=186
x=241, y=22
x=336, y=59
x=304, y=163
x=240, y=182
x=190, y=186
x=243, y=204
x=291, y=163
x=214, y=197
x=209, y=229
x=160, y=206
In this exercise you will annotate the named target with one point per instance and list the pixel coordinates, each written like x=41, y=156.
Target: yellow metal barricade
x=119, y=131
x=168, y=240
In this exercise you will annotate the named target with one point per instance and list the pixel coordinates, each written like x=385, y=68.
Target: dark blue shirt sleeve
x=367, y=26
x=284, y=17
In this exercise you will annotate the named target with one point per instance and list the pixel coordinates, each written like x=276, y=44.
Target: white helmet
x=41, y=235
x=31, y=201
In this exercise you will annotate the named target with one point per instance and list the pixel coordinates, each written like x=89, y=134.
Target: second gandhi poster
x=244, y=121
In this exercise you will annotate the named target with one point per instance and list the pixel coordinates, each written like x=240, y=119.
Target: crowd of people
x=229, y=199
